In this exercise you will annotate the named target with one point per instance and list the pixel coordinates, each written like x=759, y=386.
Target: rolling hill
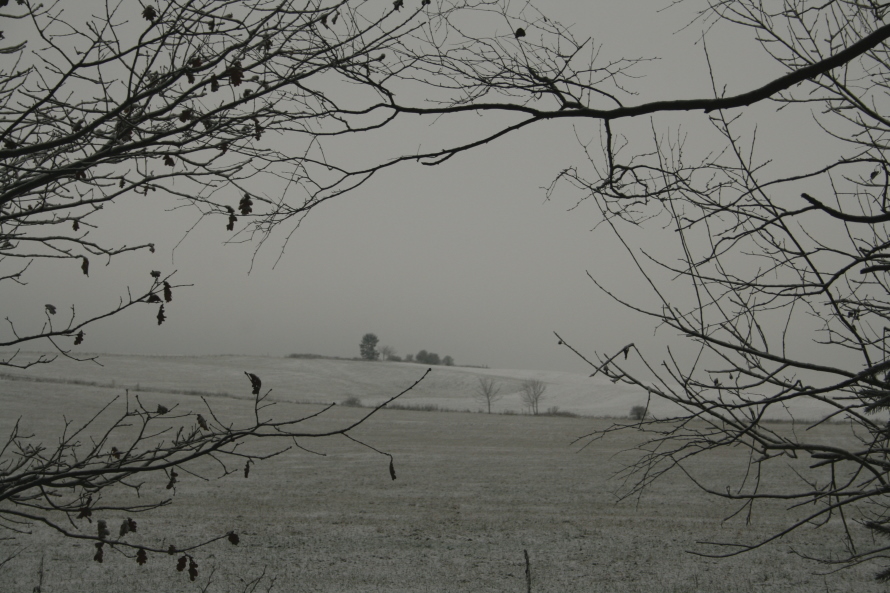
x=333, y=380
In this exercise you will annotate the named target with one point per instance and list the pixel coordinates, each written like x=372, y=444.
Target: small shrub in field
x=352, y=402
x=415, y=407
x=638, y=412
x=555, y=411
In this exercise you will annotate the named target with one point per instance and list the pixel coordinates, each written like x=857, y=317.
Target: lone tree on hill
x=771, y=264
x=487, y=392
x=532, y=392
x=368, y=347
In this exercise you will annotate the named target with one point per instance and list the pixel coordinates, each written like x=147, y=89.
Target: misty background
x=466, y=258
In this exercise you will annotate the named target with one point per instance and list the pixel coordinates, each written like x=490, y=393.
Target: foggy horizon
x=466, y=258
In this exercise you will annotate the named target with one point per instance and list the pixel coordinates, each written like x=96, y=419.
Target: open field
x=334, y=380
x=473, y=491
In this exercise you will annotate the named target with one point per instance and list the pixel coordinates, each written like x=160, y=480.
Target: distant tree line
x=424, y=357
x=369, y=351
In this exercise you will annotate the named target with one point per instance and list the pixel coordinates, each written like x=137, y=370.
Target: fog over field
x=332, y=380
x=473, y=491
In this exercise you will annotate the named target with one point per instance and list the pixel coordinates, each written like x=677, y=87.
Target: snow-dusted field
x=328, y=380
x=473, y=491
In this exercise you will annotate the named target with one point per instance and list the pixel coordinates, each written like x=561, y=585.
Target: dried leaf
x=85, y=513
x=190, y=76
x=150, y=14
x=78, y=338
x=115, y=452
x=153, y=298
x=172, y=481
x=520, y=32
x=171, y=550
x=50, y=309
x=75, y=225
x=392, y=469
x=125, y=529
x=85, y=266
x=132, y=524
x=336, y=16
x=162, y=409
x=202, y=422
x=168, y=160
x=102, y=528
x=141, y=557
x=180, y=564
x=247, y=468
x=235, y=73
x=233, y=538
x=245, y=205
x=232, y=220
x=98, y=556
x=168, y=293
x=193, y=569
x=398, y=4
x=255, y=383
x=161, y=317
x=155, y=274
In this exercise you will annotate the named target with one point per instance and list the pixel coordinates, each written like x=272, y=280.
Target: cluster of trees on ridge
x=369, y=351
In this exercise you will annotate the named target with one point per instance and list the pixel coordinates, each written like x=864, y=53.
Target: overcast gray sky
x=463, y=259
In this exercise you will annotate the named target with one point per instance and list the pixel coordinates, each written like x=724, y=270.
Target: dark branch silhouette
x=232, y=108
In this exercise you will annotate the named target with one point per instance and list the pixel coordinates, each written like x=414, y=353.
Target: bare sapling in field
x=487, y=392
x=532, y=392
